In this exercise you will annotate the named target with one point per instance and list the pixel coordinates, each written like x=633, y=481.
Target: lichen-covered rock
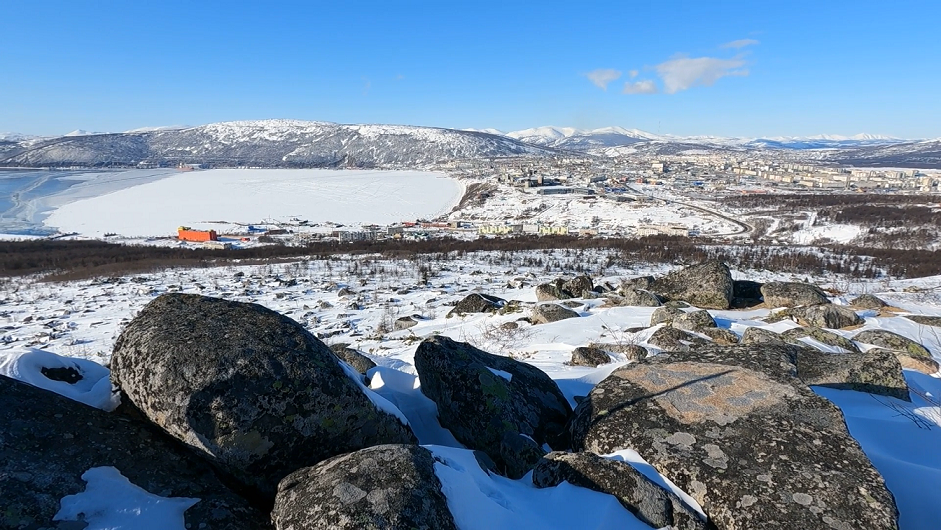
x=892, y=341
x=925, y=365
x=792, y=294
x=588, y=356
x=383, y=487
x=647, y=500
x=672, y=339
x=707, y=285
x=829, y=338
x=49, y=441
x=720, y=336
x=665, y=315
x=247, y=388
x=477, y=303
x=355, y=358
x=875, y=371
x=639, y=298
x=633, y=352
x=562, y=289
x=405, y=322
x=825, y=316
x=481, y=397
x=546, y=313
x=578, y=286
x=868, y=301
x=738, y=430
x=754, y=335
x=641, y=282
x=925, y=320
x=694, y=321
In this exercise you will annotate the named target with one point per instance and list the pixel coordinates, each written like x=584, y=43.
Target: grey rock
x=665, y=315
x=245, y=387
x=405, y=323
x=875, y=371
x=738, y=430
x=562, y=289
x=48, y=441
x=381, y=487
x=892, y=341
x=578, y=286
x=589, y=356
x=830, y=338
x=639, y=298
x=720, y=336
x=477, y=303
x=548, y=292
x=647, y=500
x=633, y=352
x=353, y=357
x=641, y=282
x=707, y=285
x=868, y=301
x=792, y=294
x=825, y=316
x=547, y=313
x=672, y=339
x=479, y=406
x=694, y=321
x=925, y=320
x=755, y=335
x=925, y=365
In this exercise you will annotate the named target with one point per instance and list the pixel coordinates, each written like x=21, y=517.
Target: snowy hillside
x=581, y=140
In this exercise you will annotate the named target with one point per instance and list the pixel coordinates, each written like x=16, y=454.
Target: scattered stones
x=49, y=441
x=707, y=285
x=481, y=397
x=546, y=313
x=737, y=429
x=647, y=500
x=386, y=486
x=868, y=301
x=589, y=356
x=477, y=303
x=694, y=321
x=792, y=294
x=247, y=388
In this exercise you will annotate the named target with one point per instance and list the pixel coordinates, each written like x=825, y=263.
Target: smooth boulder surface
x=707, y=285
x=738, y=430
x=868, y=301
x=792, y=294
x=694, y=321
x=548, y=313
x=483, y=397
x=382, y=487
x=477, y=303
x=248, y=388
x=647, y=500
x=875, y=371
x=48, y=441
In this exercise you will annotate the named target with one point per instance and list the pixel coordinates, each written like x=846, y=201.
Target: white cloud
x=682, y=73
x=739, y=44
x=640, y=87
x=633, y=73
x=602, y=76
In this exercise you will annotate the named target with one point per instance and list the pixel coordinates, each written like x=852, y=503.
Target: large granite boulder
x=547, y=313
x=48, y=441
x=381, y=487
x=868, y=301
x=672, y=339
x=707, y=285
x=562, y=289
x=792, y=294
x=825, y=316
x=647, y=500
x=892, y=341
x=631, y=351
x=247, y=388
x=823, y=336
x=640, y=282
x=877, y=371
x=637, y=298
x=721, y=336
x=743, y=435
x=477, y=303
x=589, y=356
x=925, y=320
x=665, y=315
x=493, y=403
x=694, y=321
x=353, y=357
x=753, y=335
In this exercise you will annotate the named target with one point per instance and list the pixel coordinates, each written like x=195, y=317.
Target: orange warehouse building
x=187, y=234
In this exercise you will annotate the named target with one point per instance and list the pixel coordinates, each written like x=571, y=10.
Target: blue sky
x=730, y=68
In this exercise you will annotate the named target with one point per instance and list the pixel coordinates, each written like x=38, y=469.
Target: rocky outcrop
x=876, y=371
x=562, y=289
x=925, y=320
x=736, y=429
x=925, y=365
x=671, y=339
x=477, y=303
x=665, y=315
x=868, y=301
x=694, y=321
x=792, y=294
x=247, y=388
x=387, y=486
x=753, y=336
x=707, y=285
x=493, y=403
x=647, y=500
x=892, y=341
x=633, y=352
x=641, y=282
x=829, y=338
x=638, y=298
x=824, y=316
x=588, y=356
x=355, y=358
x=49, y=441
x=547, y=313
x=720, y=336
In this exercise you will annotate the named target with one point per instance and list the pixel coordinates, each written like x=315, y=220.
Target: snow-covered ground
x=81, y=320
x=206, y=199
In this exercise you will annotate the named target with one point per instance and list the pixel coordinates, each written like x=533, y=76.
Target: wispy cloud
x=683, y=73
x=640, y=87
x=633, y=73
x=739, y=44
x=602, y=76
